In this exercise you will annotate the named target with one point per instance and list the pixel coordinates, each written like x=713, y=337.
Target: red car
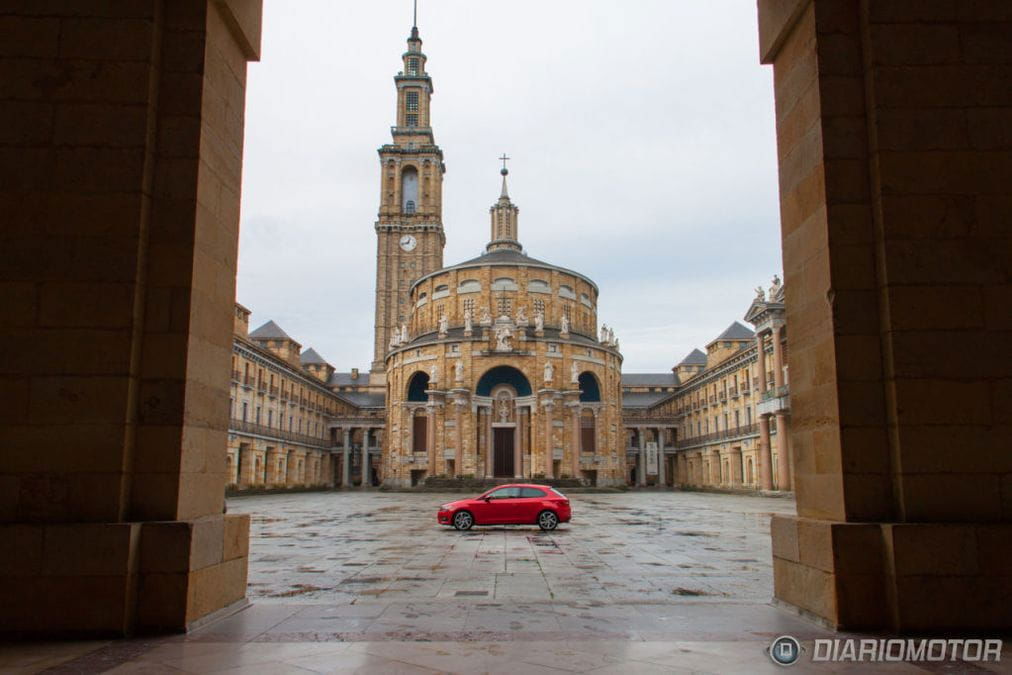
x=517, y=504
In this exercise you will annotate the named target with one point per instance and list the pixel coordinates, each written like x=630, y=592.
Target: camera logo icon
x=785, y=650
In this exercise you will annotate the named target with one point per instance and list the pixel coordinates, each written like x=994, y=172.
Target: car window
x=504, y=493
x=531, y=492
x=558, y=493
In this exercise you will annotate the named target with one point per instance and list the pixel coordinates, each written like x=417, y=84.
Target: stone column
x=765, y=454
x=518, y=442
x=662, y=461
x=489, y=444
x=895, y=233
x=430, y=437
x=247, y=463
x=576, y=443
x=364, y=473
x=346, y=460
x=683, y=471
x=549, y=446
x=458, y=462
x=761, y=362
x=716, y=468
x=778, y=359
x=783, y=453
x=641, y=463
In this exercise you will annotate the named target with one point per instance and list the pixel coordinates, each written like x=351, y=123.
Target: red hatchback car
x=517, y=504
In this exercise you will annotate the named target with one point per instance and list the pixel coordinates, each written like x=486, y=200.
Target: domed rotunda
x=502, y=373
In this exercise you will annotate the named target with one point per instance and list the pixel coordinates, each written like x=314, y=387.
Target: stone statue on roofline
x=404, y=332
x=467, y=320
x=486, y=317
x=760, y=294
x=565, y=325
x=539, y=321
x=444, y=324
x=775, y=288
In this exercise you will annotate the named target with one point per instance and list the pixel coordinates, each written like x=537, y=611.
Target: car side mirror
x=487, y=498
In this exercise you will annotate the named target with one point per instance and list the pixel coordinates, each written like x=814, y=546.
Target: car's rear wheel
x=547, y=520
x=463, y=520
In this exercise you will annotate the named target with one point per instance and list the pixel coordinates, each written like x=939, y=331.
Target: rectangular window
x=412, y=101
x=412, y=66
x=505, y=306
x=244, y=411
x=469, y=306
x=539, y=306
x=413, y=120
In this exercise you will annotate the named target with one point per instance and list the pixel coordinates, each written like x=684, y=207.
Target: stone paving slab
x=624, y=547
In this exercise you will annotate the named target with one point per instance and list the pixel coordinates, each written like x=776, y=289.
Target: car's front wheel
x=463, y=520
x=547, y=520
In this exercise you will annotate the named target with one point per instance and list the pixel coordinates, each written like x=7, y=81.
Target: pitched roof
x=694, y=358
x=270, y=331
x=645, y=399
x=312, y=357
x=363, y=399
x=649, y=380
x=736, y=331
x=345, y=379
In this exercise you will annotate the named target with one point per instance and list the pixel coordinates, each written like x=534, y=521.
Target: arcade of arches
x=121, y=159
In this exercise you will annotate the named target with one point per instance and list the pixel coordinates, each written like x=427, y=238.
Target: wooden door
x=503, y=462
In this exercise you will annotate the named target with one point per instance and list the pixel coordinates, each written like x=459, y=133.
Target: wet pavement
x=650, y=582
x=641, y=547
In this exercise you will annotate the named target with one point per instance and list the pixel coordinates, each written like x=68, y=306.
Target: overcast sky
x=643, y=145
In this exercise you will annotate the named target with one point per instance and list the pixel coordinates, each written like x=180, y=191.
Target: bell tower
x=409, y=228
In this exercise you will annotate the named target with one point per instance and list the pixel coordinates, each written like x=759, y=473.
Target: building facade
x=728, y=409
x=501, y=372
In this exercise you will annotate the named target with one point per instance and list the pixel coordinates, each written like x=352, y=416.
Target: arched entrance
x=504, y=388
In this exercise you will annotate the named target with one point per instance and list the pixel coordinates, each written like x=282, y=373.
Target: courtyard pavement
x=639, y=582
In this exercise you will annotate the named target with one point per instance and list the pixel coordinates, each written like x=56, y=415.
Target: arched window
x=417, y=386
x=409, y=190
x=588, y=432
x=469, y=286
x=440, y=291
x=538, y=286
x=748, y=472
x=590, y=392
x=567, y=292
x=504, y=284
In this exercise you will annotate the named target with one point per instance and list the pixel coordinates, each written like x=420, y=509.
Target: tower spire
x=414, y=23
x=504, y=218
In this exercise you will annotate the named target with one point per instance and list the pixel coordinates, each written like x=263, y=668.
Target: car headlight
x=444, y=507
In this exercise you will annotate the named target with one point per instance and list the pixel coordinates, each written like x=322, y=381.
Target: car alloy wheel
x=463, y=520
x=548, y=520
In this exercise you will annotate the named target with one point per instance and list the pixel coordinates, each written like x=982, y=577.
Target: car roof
x=534, y=485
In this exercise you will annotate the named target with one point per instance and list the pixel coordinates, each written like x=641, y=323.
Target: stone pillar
x=366, y=470
x=662, y=461
x=716, y=469
x=783, y=453
x=894, y=188
x=489, y=443
x=430, y=438
x=120, y=203
x=778, y=359
x=518, y=442
x=576, y=450
x=549, y=446
x=641, y=461
x=765, y=454
x=346, y=459
x=761, y=362
x=458, y=463
x=273, y=473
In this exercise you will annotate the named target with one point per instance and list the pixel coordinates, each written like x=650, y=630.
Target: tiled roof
x=312, y=357
x=695, y=358
x=645, y=399
x=345, y=379
x=270, y=331
x=649, y=380
x=363, y=399
x=736, y=331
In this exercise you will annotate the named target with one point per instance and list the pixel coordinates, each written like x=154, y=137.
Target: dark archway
x=590, y=391
x=417, y=385
x=503, y=375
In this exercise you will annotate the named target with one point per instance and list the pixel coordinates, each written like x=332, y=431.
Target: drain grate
x=476, y=593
